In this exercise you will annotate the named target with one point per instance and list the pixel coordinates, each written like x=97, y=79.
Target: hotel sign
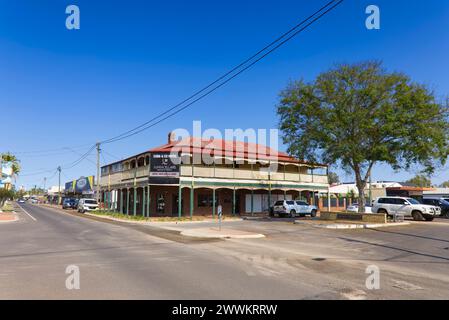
x=164, y=168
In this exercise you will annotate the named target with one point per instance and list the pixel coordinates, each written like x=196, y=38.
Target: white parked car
x=355, y=208
x=408, y=207
x=87, y=205
x=293, y=208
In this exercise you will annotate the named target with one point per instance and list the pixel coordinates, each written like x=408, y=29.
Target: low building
x=407, y=191
x=344, y=194
x=436, y=193
x=195, y=176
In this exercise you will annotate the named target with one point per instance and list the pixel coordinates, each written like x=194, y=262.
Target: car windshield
x=89, y=201
x=279, y=203
x=444, y=202
x=413, y=201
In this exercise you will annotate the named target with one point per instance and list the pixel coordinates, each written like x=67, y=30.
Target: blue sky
x=132, y=59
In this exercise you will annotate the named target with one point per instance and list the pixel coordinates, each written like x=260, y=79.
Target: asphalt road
x=123, y=261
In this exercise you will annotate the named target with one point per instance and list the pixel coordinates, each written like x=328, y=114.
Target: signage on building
x=83, y=185
x=164, y=168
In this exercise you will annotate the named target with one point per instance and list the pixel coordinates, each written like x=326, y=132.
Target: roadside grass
x=118, y=215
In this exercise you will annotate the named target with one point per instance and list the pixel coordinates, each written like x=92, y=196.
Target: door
x=302, y=207
x=402, y=207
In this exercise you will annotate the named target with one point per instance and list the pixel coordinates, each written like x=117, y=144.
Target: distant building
x=436, y=193
x=407, y=191
x=378, y=189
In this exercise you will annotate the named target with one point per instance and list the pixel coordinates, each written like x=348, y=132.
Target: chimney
x=171, y=137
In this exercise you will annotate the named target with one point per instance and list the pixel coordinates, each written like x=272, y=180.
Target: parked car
x=438, y=202
x=355, y=208
x=21, y=201
x=69, y=203
x=34, y=201
x=408, y=207
x=87, y=205
x=293, y=208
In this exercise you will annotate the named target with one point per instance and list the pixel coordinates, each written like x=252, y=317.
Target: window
x=290, y=203
x=104, y=171
x=206, y=200
x=279, y=203
x=301, y=203
x=116, y=167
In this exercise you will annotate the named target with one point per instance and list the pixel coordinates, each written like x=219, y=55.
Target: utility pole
x=59, y=184
x=370, y=190
x=45, y=183
x=98, y=172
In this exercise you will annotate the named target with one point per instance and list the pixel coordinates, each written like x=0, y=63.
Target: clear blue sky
x=132, y=59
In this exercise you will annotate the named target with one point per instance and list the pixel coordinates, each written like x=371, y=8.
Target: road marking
x=28, y=213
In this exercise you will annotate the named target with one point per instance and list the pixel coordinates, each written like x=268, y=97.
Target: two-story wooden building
x=193, y=176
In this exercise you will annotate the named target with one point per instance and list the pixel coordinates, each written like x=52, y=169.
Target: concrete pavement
x=124, y=261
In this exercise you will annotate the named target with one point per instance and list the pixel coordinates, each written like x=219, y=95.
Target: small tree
x=333, y=178
x=419, y=180
x=5, y=195
x=359, y=115
x=444, y=184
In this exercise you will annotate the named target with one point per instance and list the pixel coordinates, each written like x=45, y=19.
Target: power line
x=318, y=14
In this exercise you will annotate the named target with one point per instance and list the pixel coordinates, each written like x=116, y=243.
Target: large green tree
x=358, y=115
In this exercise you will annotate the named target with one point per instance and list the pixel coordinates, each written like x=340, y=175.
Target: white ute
x=408, y=207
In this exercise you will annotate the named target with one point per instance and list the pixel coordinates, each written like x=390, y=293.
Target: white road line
x=28, y=213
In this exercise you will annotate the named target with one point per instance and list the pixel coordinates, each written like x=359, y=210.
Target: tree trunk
x=361, y=184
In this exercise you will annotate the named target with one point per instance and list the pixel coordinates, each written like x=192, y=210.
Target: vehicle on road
x=21, y=201
x=438, y=202
x=34, y=201
x=408, y=207
x=293, y=208
x=354, y=208
x=69, y=203
x=86, y=204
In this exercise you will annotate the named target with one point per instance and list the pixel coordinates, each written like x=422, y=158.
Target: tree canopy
x=358, y=115
x=8, y=157
x=419, y=180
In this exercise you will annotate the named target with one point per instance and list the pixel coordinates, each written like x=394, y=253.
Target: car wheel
x=428, y=218
x=292, y=213
x=382, y=211
x=313, y=213
x=417, y=216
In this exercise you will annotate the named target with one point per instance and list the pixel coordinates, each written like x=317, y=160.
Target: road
x=124, y=261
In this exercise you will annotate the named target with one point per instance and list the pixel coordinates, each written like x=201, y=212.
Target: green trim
x=179, y=202
x=254, y=185
x=121, y=201
x=143, y=202
x=148, y=201
x=213, y=203
x=191, y=202
x=127, y=202
x=135, y=202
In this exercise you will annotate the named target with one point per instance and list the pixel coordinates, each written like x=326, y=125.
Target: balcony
x=254, y=174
